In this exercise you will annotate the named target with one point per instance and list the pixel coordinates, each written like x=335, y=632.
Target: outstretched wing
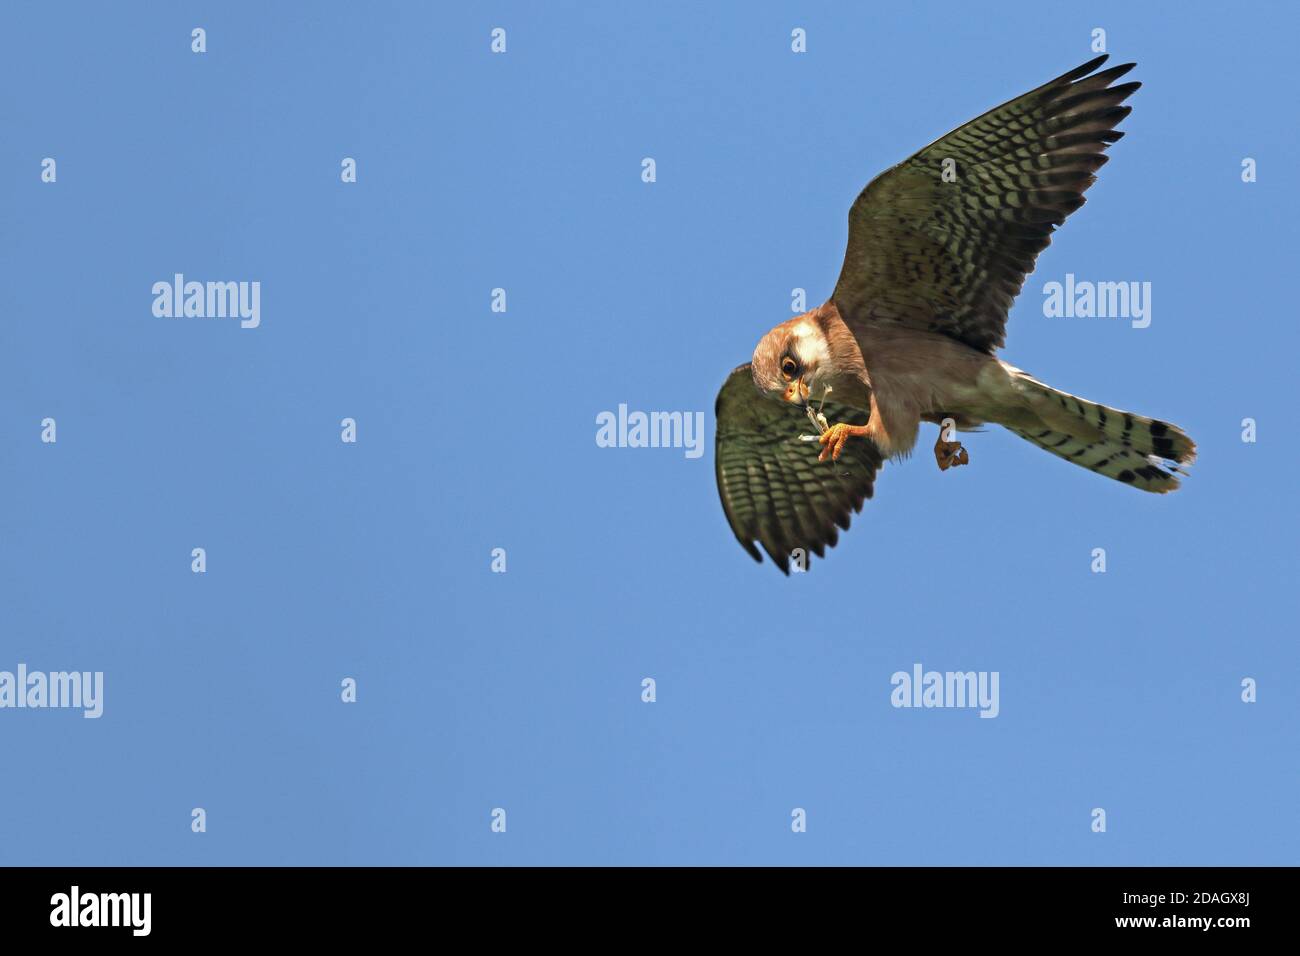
x=951, y=256
x=773, y=488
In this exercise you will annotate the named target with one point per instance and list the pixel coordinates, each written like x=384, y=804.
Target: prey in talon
x=818, y=419
x=911, y=330
x=832, y=437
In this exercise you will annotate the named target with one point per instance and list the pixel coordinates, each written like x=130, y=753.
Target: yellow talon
x=834, y=438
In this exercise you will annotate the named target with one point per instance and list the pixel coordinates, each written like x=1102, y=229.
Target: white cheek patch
x=812, y=344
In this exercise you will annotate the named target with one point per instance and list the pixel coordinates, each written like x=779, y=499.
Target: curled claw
x=835, y=438
x=831, y=436
x=950, y=454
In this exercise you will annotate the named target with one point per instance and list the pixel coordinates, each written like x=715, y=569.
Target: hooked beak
x=797, y=392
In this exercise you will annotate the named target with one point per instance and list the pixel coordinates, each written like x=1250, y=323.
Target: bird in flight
x=939, y=247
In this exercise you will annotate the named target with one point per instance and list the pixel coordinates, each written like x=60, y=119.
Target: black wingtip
x=778, y=555
x=1111, y=75
x=1081, y=71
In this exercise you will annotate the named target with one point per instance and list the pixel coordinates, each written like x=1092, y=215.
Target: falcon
x=939, y=246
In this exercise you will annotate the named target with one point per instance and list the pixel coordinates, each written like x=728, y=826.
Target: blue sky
x=476, y=430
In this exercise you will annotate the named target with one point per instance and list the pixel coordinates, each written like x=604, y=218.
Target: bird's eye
x=789, y=367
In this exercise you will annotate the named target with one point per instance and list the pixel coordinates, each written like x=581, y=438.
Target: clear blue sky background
x=477, y=430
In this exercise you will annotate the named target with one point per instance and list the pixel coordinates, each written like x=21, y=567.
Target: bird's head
x=793, y=362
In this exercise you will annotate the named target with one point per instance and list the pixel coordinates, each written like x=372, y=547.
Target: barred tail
x=1139, y=451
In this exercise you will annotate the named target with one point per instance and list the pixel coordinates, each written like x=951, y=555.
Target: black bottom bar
x=373, y=904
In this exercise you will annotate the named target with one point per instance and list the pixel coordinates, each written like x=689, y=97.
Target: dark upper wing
x=950, y=257
x=773, y=488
